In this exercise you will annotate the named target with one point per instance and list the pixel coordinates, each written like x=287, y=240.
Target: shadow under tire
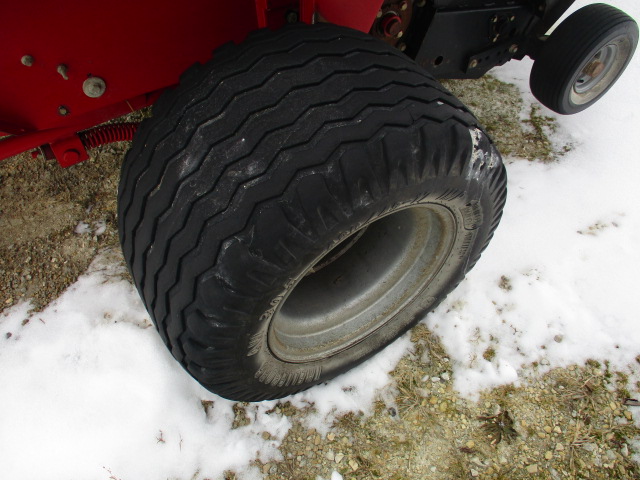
x=298, y=203
x=583, y=58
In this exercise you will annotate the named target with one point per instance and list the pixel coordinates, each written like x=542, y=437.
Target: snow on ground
x=88, y=391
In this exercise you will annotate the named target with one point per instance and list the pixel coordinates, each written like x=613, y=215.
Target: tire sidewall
x=454, y=194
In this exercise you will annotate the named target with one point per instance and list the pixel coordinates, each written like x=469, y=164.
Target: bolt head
x=71, y=157
x=27, y=60
x=513, y=48
x=379, y=14
x=94, y=87
x=473, y=63
x=62, y=110
x=404, y=6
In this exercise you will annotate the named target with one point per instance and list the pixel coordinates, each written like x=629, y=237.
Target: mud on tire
x=298, y=203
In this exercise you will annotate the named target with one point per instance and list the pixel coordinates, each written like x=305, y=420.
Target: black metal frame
x=466, y=38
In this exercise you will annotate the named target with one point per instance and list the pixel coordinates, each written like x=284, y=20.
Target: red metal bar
x=261, y=13
x=21, y=143
x=307, y=11
x=356, y=14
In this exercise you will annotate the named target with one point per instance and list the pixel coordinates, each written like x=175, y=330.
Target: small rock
x=474, y=473
x=547, y=429
x=624, y=450
x=433, y=469
x=435, y=379
x=339, y=457
x=266, y=467
x=331, y=437
x=548, y=455
x=532, y=468
x=558, y=338
x=354, y=465
x=330, y=456
x=445, y=376
x=559, y=447
x=628, y=415
x=545, y=362
x=557, y=430
x=470, y=444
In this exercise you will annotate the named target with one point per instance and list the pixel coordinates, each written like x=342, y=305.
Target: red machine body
x=123, y=54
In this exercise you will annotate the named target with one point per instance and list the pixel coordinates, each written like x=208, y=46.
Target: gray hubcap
x=601, y=70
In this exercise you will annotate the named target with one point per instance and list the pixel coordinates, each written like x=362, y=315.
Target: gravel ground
x=569, y=423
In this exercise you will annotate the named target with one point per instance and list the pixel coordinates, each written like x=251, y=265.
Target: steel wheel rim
x=601, y=70
x=387, y=268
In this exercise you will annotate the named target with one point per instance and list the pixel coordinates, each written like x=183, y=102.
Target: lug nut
x=62, y=110
x=473, y=63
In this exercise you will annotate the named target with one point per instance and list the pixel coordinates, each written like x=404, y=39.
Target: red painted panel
x=136, y=47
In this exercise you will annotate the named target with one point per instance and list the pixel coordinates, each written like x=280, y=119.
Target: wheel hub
x=367, y=280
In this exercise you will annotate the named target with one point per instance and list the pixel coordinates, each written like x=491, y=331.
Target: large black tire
x=269, y=163
x=583, y=58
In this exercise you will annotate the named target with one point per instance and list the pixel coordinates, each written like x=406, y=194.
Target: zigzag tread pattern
x=193, y=186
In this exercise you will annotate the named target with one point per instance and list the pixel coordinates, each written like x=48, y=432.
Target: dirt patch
x=54, y=221
x=518, y=131
x=568, y=423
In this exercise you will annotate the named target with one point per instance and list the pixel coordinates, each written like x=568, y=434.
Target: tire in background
x=583, y=58
x=274, y=188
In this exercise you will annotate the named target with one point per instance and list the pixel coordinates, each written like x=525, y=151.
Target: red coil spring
x=117, y=132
